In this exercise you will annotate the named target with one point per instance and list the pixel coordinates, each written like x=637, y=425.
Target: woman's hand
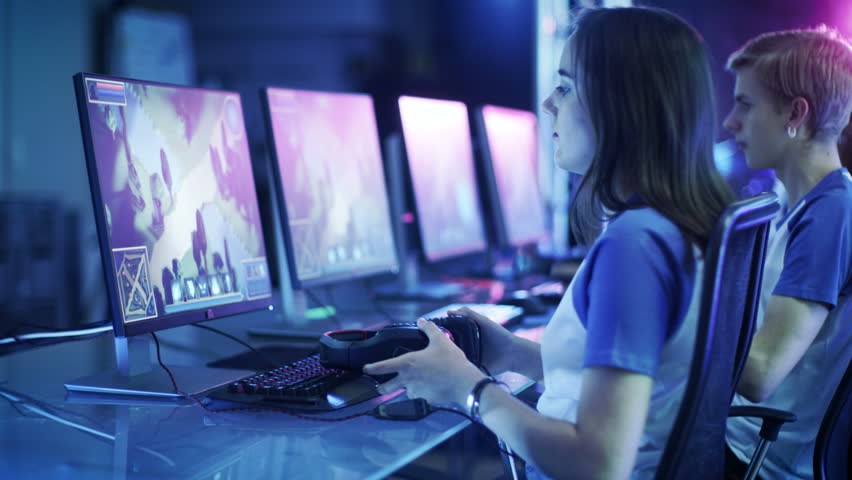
x=497, y=342
x=440, y=373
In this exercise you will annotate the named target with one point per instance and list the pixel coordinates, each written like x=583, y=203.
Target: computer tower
x=39, y=266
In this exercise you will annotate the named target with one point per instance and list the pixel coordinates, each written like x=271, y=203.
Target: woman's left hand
x=440, y=373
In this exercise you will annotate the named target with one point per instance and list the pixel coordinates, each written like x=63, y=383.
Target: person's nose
x=731, y=123
x=549, y=106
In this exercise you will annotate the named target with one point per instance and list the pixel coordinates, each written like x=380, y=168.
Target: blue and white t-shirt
x=809, y=257
x=632, y=305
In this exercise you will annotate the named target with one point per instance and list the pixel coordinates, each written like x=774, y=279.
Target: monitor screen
x=510, y=151
x=175, y=202
x=440, y=160
x=329, y=177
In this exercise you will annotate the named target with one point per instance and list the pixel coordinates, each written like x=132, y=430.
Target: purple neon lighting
x=513, y=143
x=440, y=159
x=327, y=145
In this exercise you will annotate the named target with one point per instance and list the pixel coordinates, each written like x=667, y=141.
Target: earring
x=791, y=131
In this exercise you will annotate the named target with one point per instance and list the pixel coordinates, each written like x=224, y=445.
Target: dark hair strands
x=644, y=77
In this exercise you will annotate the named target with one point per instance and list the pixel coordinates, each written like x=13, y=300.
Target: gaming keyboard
x=303, y=385
x=503, y=314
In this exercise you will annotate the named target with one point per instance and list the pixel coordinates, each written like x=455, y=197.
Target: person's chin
x=756, y=163
x=571, y=165
x=558, y=160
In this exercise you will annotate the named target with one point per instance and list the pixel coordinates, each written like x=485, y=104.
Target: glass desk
x=48, y=434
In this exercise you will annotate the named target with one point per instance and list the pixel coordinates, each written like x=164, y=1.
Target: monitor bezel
x=278, y=188
x=161, y=322
x=446, y=254
x=493, y=197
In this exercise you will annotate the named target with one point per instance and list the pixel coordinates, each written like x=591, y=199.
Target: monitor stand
x=294, y=304
x=297, y=314
x=523, y=269
x=410, y=288
x=139, y=374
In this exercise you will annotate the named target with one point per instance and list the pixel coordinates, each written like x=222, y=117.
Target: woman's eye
x=562, y=90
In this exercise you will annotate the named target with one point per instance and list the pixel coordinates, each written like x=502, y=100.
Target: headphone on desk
x=352, y=349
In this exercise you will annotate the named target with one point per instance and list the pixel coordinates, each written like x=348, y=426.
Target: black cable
x=16, y=405
x=471, y=420
x=320, y=303
x=25, y=323
x=59, y=412
x=272, y=363
x=244, y=409
x=171, y=376
x=160, y=361
x=43, y=327
x=71, y=339
x=157, y=427
x=44, y=342
x=291, y=414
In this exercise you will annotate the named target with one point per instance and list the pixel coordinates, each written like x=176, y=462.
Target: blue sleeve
x=817, y=256
x=638, y=293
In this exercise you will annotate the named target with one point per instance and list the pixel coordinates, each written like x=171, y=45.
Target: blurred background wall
x=477, y=51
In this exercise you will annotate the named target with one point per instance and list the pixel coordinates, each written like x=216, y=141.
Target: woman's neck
x=804, y=167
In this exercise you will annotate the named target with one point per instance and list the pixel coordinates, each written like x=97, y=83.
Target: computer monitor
x=329, y=179
x=175, y=206
x=509, y=147
x=438, y=146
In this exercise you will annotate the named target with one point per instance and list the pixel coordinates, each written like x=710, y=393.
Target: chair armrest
x=773, y=419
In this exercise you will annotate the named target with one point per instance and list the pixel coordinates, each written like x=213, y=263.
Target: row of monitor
x=177, y=210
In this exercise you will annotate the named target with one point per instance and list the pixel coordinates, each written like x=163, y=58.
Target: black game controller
x=352, y=349
x=466, y=336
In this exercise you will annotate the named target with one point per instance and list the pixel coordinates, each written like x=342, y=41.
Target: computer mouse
x=531, y=304
x=352, y=349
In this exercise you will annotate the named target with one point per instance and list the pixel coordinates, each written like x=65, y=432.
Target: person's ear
x=800, y=109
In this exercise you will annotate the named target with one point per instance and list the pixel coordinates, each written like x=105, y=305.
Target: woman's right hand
x=497, y=342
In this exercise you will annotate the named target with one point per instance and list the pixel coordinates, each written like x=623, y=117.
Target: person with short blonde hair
x=812, y=64
x=793, y=98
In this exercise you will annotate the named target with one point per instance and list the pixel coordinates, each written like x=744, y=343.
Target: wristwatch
x=476, y=393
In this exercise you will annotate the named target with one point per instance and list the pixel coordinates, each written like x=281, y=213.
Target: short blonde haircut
x=815, y=64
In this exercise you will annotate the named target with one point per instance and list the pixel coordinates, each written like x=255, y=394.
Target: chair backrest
x=733, y=272
x=833, y=447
